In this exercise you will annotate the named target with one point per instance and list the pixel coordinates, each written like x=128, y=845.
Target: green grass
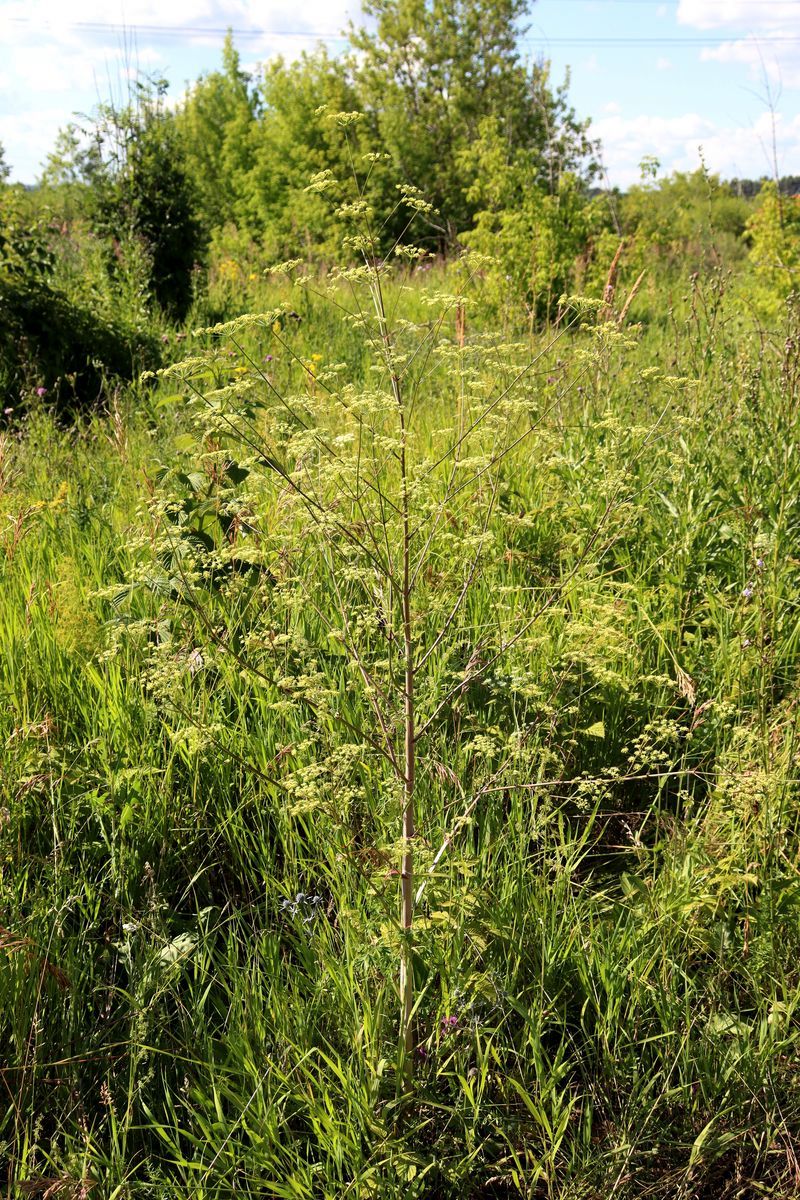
x=606, y=957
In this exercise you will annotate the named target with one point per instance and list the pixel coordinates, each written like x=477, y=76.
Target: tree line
x=141, y=203
x=444, y=98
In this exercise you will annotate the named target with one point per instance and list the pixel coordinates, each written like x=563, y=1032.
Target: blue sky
x=657, y=77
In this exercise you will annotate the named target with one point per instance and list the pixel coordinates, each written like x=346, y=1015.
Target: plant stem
x=409, y=730
x=407, y=868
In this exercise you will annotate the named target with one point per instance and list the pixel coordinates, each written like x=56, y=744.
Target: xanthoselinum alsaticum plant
x=331, y=541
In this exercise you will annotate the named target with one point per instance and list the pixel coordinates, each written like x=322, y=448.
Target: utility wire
x=670, y=40
x=173, y=30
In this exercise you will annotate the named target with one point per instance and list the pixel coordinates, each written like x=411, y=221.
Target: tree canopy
x=442, y=93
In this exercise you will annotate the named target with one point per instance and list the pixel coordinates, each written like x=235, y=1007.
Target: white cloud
x=754, y=15
x=52, y=18
x=87, y=50
x=776, y=61
x=612, y=107
x=51, y=67
x=768, y=40
x=627, y=140
x=747, y=152
x=27, y=138
x=664, y=64
x=679, y=142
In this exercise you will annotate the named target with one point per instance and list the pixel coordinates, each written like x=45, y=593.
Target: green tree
x=5, y=170
x=531, y=207
x=73, y=159
x=216, y=127
x=426, y=82
x=773, y=232
x=690, y=216
x=51, y=338
x=64, y=185
x=433, y=72
x=294, y=142
x=430, y=72
x=142, y=193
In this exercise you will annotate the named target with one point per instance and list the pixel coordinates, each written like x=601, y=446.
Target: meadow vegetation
x=398, y=649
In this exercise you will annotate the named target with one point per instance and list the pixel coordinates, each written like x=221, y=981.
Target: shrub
x=132, y=160
x=49, y=339
x=773, y=231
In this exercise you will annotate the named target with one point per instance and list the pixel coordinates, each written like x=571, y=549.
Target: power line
x=175, y=30
x=669, y=40
x=188, y=31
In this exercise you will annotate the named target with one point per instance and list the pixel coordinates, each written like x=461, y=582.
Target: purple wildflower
x=760, y=564
x=41, y=391
x=747, y=591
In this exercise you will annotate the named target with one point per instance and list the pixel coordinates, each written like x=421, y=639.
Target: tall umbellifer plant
x=332, y=536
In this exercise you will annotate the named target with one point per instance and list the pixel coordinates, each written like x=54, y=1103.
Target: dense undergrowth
x=575, y=518
x=198, y=859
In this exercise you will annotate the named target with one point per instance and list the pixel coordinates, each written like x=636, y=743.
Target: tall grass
x=199, y=873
